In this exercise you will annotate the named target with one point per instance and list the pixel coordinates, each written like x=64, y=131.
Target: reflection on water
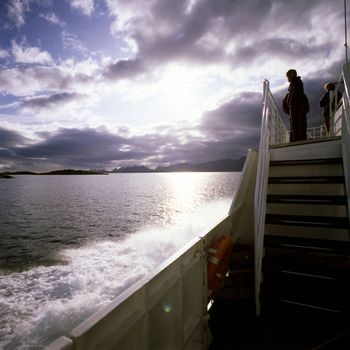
x=186, y=189
x=78, y=241
x=58, y=212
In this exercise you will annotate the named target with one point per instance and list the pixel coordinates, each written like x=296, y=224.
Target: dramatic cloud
x=10, y=139
x=234, y=126
x=220, y=31
x=85, y=148
x=179, y=80
x=225, y=132
x=124, y=69
x=278, y=47
x=39, y=103
x=28, y=81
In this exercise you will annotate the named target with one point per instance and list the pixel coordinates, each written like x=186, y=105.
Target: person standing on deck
x=325, y=104
x=296, y=105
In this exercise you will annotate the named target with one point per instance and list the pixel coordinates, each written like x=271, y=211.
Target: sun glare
x=180, y=88
x=185, y=186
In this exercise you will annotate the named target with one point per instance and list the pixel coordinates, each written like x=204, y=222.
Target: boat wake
x=39, y=305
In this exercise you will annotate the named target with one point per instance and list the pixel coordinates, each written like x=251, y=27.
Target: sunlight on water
x=184, y=187
x=43, y=303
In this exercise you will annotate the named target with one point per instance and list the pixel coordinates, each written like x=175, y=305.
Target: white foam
x=39, y=305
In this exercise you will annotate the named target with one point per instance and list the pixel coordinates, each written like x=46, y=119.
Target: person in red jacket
x=296, y=105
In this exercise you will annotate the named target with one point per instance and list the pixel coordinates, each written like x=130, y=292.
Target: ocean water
x=70, y=244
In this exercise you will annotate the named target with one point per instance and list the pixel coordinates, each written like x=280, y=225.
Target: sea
x=69, y=244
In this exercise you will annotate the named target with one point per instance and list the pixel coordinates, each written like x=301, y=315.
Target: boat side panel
x=166, y=310
x=242, y=208
x=62, y=343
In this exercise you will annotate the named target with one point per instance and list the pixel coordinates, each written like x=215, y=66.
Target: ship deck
x=306, y=142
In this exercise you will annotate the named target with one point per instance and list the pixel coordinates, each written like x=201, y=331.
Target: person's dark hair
x=292, y=72
x=329, y=86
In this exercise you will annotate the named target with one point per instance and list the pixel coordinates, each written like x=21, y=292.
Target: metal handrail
x=273, y=131
x=345, y=128
x=346, y=96
x=278, y=131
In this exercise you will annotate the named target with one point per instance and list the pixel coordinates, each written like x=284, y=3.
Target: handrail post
x=273, y=131
x=345, y=130
x=259, y=198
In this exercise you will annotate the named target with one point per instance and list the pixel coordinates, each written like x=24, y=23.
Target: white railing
x=316, y=132
x=345, y=128
x=273, y=131
x=335, y=112
x=278, y=133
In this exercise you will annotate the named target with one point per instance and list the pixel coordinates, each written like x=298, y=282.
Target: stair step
x=294, y=283
x=329, y=294
x=306, y=179
x=278, y=266
x=338, y=341
x=301, y=304
x=311, y=244
x=307, y=221
x=306, y=199
x=272, y=296
x=306, y=162
x=325, y=301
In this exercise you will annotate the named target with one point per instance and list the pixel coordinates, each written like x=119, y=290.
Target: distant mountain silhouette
x=218, y=165
x=132, y=169
x=71, y=172
x=61, y=172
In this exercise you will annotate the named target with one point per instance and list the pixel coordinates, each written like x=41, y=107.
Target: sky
x=93, y=84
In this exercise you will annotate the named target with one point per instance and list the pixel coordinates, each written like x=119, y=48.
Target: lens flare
x=167, y=308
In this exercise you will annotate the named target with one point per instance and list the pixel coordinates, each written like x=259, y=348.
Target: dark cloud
x=84, y=148
x=124, y=69
x=172, y=30
x=226, y=132
x=9, y=139
x=236, y=33
x=23, y=81
x=240, y=116
x=80, y=147
x=51, y=101
x=279, y=48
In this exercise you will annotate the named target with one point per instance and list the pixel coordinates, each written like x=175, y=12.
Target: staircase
x=306, y=264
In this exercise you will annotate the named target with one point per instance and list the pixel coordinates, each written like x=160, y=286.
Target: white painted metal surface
x=346, y=128
x=242, y=208
x=260, y=189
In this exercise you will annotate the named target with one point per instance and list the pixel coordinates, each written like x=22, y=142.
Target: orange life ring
x=219, y=257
